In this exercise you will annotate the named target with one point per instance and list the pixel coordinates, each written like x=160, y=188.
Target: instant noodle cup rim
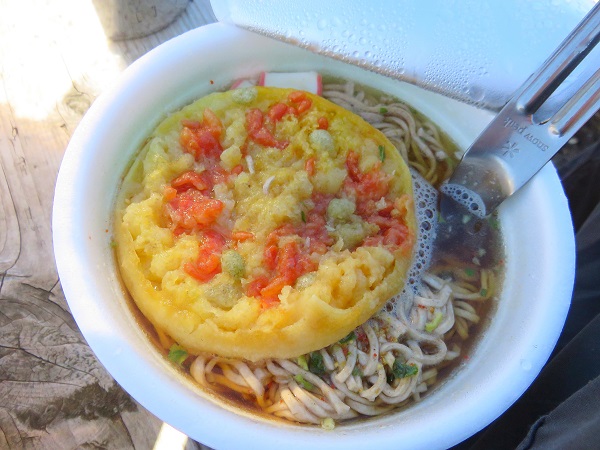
x=514, y=346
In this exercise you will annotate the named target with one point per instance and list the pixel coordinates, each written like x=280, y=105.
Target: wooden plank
x=54, y=61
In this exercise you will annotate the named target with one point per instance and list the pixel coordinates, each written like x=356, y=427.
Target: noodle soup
x=400, y=353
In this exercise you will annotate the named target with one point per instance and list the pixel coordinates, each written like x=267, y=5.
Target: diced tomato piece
x=322, y=123
x=393, y=232
x=375, y=184
x=321, y=201
x=367, y=188
x=270, y=256
x=178, y=231
x=352, y=166
x=258, y=133
x=204, y=270
x=202, y=138
x=237, y=169
x=266, y=138
x=254, y=120
x=208, y=263
x=192, y=124
x=208, y=143
x=188, y=180
x=273, y=289
x=304, y=106
x=268, y=302
x=297, y=96
x=188, y=142
x=301, y=100
x=169, y=193
x=254, y=287
x=395, y=236
x=309, y=166
x=273, y=237
x=212, y=123
x=191, y=208
x=287, y=260
x=242, y=236
x=277, y=111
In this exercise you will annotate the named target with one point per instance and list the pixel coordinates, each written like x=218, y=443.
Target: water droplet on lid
x=322, y=24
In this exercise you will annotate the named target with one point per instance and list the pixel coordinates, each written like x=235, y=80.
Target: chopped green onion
x=382, y=153
x=435, y=322
x=303, y=216
x=357, y=372
x=316, y=364
x=403, y=370
x=350, y=337
x=302, y=382
x=483, y=292
x=302, y=362
x=383, y=110
x=177, y=354
x=469, y=272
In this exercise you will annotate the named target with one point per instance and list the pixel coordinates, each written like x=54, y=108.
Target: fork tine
x=579, y=108
x=557, y=68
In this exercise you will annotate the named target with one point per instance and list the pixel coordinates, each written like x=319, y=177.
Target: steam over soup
x=264, y=223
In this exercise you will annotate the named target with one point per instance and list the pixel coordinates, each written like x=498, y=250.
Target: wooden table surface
x=55, y=59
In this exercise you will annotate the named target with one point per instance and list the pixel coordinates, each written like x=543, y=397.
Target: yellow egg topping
x=264, y=223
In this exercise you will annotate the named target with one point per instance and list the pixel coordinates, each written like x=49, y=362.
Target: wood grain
x=54, y=61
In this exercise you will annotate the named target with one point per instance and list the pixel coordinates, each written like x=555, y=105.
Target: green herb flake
x=403, y=370
x=350, y=337
x=382, y=153
x=494, y=223
x=483, y=292
x=316, y=364
x=302, y=382
x=357, y=372
x=177, y=354
x=383, y=110
x=469, y=272
x=303, y=216
x=435, y=322
x=302, y=362
x=113, y=244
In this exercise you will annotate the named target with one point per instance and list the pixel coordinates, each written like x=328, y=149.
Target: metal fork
x=530, y=128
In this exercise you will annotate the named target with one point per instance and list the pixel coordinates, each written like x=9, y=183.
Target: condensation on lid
x=476, y=52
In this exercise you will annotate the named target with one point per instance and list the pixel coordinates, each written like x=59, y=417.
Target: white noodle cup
x=535, y=298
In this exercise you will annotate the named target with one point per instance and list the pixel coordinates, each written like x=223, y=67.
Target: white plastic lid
x=473, y=51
